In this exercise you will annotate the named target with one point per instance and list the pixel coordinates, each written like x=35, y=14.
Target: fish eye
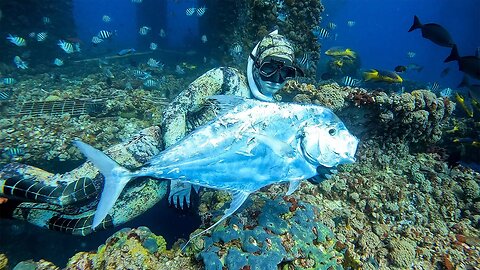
x=332, y=132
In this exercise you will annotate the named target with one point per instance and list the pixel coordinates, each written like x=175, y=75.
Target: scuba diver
x=67, y=202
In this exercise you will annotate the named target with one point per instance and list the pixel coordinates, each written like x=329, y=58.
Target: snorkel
x=251, y=81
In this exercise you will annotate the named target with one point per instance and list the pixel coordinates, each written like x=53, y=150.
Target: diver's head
x=271, y=65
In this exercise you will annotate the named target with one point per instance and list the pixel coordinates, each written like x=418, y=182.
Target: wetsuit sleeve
x=186, y=112
x=218, y=81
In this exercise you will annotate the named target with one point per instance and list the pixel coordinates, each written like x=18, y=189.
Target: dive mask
x=277, y=71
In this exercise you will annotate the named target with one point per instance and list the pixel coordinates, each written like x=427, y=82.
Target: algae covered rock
x=402, y=253
x=32, y=265
x=131, y=249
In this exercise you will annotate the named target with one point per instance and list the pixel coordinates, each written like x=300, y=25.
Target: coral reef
x=32, y=265
x=270, y=233
x=48, y=138
x=402, y=210
x=126, y=249
x=402, y=253
x=329, y=95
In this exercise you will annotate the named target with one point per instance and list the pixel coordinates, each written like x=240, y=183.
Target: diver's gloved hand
x=322, y=174
x=179, y=192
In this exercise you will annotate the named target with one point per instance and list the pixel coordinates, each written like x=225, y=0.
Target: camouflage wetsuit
x=66, y=202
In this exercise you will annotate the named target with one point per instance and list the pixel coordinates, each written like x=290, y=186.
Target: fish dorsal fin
x=225, y=103
x=293, y=186
x=238, y=198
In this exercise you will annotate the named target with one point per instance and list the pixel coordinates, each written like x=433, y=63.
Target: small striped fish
x=201, y=11
x=321, y=32
x=433, y=86
x=331, y=26
x=304, y=61
x=13, y=152
x=150, y=83
x=144, y=30
x=141, y=74
x=137, y=1
x=349, y=81
x=104, y=34
x=411, y=54
x=106, y=18
x=58, y=62
x=46, y=20
x=179, y=70
x=20, y=63
x=9, y=81
x=96, y=40
x=153, y=63
x=236, y=49
x=66, y=46
x=5, y=95
x=19, y=41
x=190, y=11
x=446, y=92
x=153, y=46
x=41, y=36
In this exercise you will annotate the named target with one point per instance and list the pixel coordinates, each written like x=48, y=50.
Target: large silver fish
x=251, y=144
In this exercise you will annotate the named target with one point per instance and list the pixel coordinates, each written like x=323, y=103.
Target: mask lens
x=268, y=69
x=276, y=71
x=287, y=72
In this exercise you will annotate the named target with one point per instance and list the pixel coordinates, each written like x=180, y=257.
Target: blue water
x=88, y=19
x=381, y=36
x=128, y=17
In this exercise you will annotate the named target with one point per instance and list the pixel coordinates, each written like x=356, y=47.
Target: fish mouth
x=310, y=159
x=349, y=156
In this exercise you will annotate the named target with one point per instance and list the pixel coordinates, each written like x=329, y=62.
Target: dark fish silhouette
x=444, y=72
x=468, y=64
x=434, y=32
x=400, y=68
x=473, y=89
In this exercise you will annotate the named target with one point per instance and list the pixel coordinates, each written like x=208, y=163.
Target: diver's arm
x=218, y=81
x=184, y=114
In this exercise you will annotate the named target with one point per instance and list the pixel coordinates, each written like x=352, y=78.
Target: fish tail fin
x=116, y=177
x=453, y=55
x=238, y=199
x=416, y=24
x=464, y=82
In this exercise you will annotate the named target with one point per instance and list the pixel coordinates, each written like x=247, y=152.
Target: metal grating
x=57, y=108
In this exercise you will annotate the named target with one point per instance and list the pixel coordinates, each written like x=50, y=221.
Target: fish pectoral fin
x=293, y=185
x=278, y=147
x=238, y=198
